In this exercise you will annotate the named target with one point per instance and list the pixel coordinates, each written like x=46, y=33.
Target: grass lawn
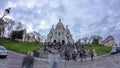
x=20, y=47
x=100, y=49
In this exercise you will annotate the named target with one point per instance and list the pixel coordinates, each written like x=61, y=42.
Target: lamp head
x=7, y=11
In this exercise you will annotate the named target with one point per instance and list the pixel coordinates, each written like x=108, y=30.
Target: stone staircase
x=43, y=54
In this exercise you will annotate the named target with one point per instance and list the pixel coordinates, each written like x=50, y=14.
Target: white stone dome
x=59, y=25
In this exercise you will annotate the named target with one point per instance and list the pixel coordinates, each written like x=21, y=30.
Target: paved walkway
x=110, y=61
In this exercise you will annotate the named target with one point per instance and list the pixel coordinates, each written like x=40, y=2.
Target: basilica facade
x=60, y=34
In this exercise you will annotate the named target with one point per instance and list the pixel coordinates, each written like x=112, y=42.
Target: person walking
x=28, y=60
x=95, y=53
x=74, y=56
x=54, y=59
x=91, y=54
x=67, y=55
x=81, y=55
x=84, y=54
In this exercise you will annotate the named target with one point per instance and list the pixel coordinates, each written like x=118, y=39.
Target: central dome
x=59, y=25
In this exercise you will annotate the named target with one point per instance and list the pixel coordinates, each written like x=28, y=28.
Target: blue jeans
x=54, y=65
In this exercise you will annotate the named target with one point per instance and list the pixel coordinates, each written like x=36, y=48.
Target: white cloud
x=29, y=28
x=11, y=4
x=27, y=3
x=10, y=17
x=43, y=25
x=84, y=17
x=54, y=3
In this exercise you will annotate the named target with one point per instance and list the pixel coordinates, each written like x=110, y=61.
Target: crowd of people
x=70, y=51
x=59, y=51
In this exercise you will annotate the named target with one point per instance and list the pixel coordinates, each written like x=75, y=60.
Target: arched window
x=62, y=32
x=54, y=41
x=50, y=37
x=59, y=33
x=68, y=37
x=63, y=41
x=55, y=32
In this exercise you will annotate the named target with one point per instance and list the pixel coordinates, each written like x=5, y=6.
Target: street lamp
x=6, y=12
x=2, y=23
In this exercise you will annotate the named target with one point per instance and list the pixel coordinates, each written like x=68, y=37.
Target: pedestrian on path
x=91, y=54
x=67, y=55
x=28, y=60
x=81, y=55
x=54, y=59
x=95, y=53
x=74, y=56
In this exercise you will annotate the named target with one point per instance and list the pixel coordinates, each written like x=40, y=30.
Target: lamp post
x=2, y=23
x=6, y=12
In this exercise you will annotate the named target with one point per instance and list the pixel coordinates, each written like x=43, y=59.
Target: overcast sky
x=83, y=17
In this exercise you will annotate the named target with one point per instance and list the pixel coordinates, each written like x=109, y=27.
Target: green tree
x=95, y=41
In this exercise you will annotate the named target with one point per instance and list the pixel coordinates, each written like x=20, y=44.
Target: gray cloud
x=84, y=17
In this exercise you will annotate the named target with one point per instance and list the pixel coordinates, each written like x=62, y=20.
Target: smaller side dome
x=67, y=30
x=51, y=30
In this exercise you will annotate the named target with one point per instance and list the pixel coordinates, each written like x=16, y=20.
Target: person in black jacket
x=28, y=60
x=81, y=55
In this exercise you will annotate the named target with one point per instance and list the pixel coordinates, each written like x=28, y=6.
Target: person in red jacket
x=91, y=54
x=67, y=55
